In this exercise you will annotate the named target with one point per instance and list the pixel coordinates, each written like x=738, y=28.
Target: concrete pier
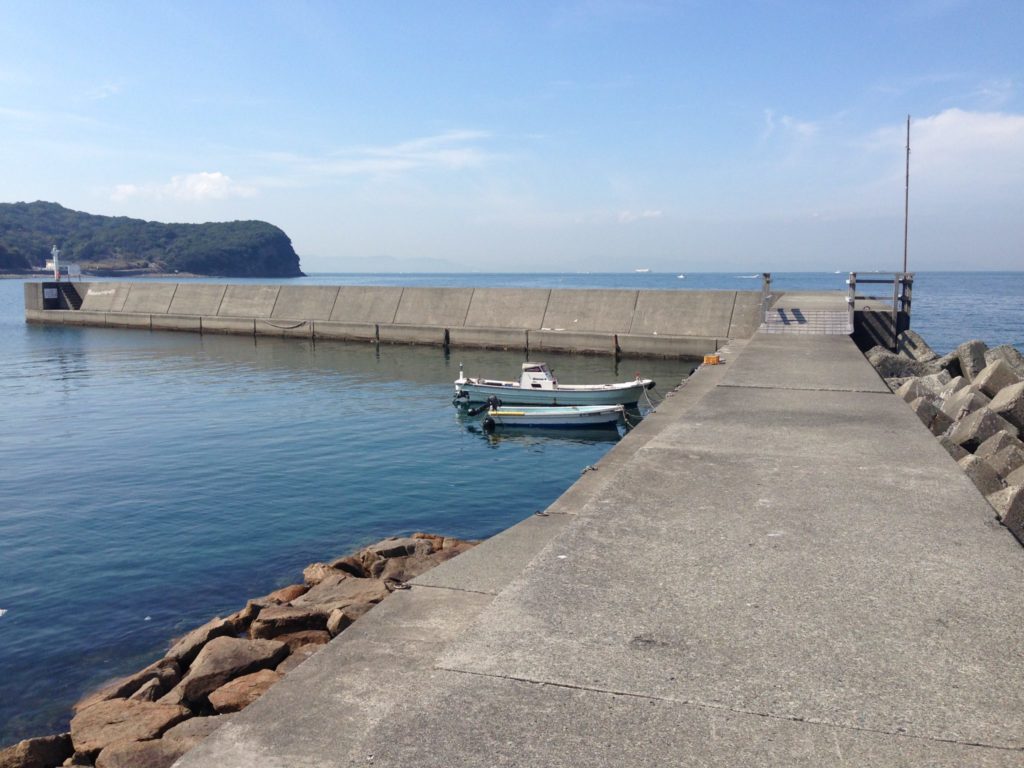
x=781, y=566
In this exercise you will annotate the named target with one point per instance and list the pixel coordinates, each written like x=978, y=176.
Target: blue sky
x=564, y=136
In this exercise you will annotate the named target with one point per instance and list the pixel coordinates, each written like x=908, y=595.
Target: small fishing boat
x=537, y=385
x=499, y=416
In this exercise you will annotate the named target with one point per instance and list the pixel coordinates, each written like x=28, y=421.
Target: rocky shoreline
x=972, y=400
x=151, y=718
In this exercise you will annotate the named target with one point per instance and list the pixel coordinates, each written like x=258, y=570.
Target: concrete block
x=567, y=341
x=1016, y=477
x=197, y=299
x=327, y=329
x=1006, y=460
x=910, y=344
x=248, y=301
x=590, y=311
x=961, y=403
x=177, y=323
x=934, y=383
x=488, y=338
x=889, y=364
x=85, y=317
x=895, y=382
x=1009, y=506
x=445, y=307
x=149, y=298
x=33, y=296
x=955, y=385
x=294, y=328
x=239, y=325
x=105, y=297
x=128, y=320
x=366, y=304
x=950, y=363
x=995, y=377
x=1009, y=403
x=507, y=308
x=1010, y=355
x=981, y=474
x=411, y=334
x=971, y=355
x=683, y=313
x=996, y=443
x=43, y=316
x=305, y=302
x=746, y=315
x=927, y=410
x=975, y=428
x=912, y=389
x=632, y=345
x=952, y=448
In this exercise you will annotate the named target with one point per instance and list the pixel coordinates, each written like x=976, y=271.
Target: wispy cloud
x=628, y=217
x=787, y=125
x=193, y=187
x=101, y=92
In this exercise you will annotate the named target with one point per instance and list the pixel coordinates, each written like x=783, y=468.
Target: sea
x=152, y=480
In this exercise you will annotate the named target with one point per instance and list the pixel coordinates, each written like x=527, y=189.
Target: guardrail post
x=766, y=294
x=851, y=297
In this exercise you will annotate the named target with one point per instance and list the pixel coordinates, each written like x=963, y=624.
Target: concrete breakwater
x=154, y=716
x=972, y=400
x=627, y=322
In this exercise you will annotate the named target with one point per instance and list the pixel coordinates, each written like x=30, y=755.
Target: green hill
x=119, y=245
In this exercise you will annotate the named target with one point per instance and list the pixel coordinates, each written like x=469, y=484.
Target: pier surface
x=779, y=567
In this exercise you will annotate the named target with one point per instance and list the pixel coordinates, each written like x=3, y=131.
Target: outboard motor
x=492, y=402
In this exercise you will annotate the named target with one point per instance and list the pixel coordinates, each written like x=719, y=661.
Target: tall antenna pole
x=906, y=199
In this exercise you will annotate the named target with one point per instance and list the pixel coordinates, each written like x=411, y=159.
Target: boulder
x=400, y=547
x=952, y=448
x=352, y=565
x=150, y=691
x=287, y=594
x=402, y=569
x=189, y=646
x=927, y=410
x=971, y=355
x=981, y=474
x=195, y=729
x=995, y=377
x=106, y=722
x=317, y=572
x=975, y=428
x=166, y=671
x=910, y=344
x=889, y=364
x=912, y=389
x=297, y=657
x=1006, y=460
x=243, y=691
x=1010, y=355
x=1009, y=403
x=458, y=545
x=223, y=659
x=967, y=400
x=284, y=619
x=156, y=753
x=341, y=618
x=42, y=752
x=334, y=593
x=295, y=640
x=1009, y=506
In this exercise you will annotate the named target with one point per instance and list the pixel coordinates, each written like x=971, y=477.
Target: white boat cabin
x=537, y=376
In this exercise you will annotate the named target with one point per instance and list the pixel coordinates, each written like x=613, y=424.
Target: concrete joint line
x=415, y=587
x=735, y=710
x=805, y=389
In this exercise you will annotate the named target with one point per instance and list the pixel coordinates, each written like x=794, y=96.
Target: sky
x=534, y=136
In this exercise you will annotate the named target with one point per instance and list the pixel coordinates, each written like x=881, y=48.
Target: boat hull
x=569, y=417
x=513, y=394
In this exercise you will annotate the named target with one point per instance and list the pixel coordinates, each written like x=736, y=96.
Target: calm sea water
x=149, y=481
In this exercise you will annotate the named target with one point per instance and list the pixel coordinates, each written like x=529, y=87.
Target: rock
x=1010, y=355
x=934, y=383
x=981, y=474
x=975, y=428
x=287, y=594
x=296, y=658
x=223, y=659
x=928, y=412
x=402, y=569
x=995, y=377
x=195, y=729
x=971, y=355
x=1009, y=404
x=189, y=646
x=955, y=385
x=150, y=691
x=166, y=671
x=912, y=389
x=330, y=594
x=351, y=565
x=341, y=618
x=296, y=640
x=399, y=547
x=41, y=752
x=458, y=545
x=284, y=619
x=1009, y=506
x=910, y=344
x=895, y=382
x=949, y=363
x=889, y=364
x=952, y=448
x=243, y=691
x=106, y=722
x=1006, y=460
x=317, y=572
x=967, y=400
x=156, y=753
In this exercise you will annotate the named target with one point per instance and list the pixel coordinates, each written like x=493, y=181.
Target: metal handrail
x=902, y=289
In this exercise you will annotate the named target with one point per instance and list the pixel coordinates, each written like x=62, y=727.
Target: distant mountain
x=117, y=245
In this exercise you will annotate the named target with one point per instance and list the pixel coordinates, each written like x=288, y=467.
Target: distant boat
x=681, y=277
x=641, y=270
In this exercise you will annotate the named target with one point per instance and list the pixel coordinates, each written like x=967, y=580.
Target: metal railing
x=766, y=295
x=898, y=302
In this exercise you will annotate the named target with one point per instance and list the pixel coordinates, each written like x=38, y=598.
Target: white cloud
x=628, y=217
x=102, y=92
x=788, y=126
x=193, y=187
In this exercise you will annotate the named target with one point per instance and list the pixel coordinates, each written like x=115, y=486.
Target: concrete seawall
x=627, y=322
